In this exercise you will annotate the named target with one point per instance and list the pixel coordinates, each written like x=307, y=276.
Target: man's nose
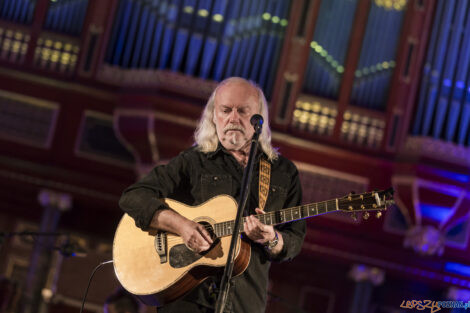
x=234, y=116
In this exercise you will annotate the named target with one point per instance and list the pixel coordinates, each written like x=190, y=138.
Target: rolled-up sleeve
x=293, y=233
x=141, y=200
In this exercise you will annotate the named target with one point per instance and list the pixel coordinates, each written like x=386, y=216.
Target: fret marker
x=337, y=207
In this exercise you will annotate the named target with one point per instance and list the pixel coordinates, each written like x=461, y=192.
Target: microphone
x=257, y=122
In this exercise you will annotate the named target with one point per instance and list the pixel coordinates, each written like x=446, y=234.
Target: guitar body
x=158, y=268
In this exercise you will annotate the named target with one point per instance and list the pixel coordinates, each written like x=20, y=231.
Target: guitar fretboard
x=282, y=216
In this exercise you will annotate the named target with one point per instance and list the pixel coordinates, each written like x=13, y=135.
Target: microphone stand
x=245, y=190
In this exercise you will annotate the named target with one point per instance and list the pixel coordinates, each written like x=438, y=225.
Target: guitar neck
x=282, y=216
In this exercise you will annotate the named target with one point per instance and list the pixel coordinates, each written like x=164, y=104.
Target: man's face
x=235, y=103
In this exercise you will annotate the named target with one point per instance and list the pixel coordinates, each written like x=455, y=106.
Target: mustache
x=234, y=127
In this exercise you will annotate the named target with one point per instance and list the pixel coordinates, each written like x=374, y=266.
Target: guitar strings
x=175, y=238
x=313, y=206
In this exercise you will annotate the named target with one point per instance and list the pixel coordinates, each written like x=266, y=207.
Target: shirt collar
x=221, y=149
x=216, y=151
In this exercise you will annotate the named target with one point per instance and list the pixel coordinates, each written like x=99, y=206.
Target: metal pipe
x=214, y=37
x=182, y=33
x=169, y=32
x=151, y=27
x=158, y=34
x=254, y=38
x=437, y=66
x=460, y=100
x=453, y=49
x=229, y=34
x=283, y=13
x=262, y=41
x=426, y=76
x=122, y=32
x=143, y=27
x=244, y=30
x=114, y=33
x=198, y=36
x=132, y=33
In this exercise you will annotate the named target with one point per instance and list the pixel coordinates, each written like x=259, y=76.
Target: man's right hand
x=194, y=235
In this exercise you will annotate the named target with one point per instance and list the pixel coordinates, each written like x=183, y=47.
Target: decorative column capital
x=50, y=198
x=361, y=272
x=426, y=240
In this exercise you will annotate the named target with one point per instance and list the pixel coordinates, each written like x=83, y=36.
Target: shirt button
x=216, y=178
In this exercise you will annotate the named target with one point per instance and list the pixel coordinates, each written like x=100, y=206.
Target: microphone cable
x=89, y=281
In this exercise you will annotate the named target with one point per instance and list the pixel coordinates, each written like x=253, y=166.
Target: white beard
x=233, y=139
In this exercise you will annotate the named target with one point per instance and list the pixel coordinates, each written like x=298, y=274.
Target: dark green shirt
x=194, y=177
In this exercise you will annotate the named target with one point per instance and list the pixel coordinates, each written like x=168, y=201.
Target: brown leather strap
x=264, y=180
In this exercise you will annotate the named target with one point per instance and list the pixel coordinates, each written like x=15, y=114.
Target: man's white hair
x=206, y=134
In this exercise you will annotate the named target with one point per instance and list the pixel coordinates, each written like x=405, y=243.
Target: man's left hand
x=257, y=231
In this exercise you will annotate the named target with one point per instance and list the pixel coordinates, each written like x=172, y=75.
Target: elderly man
x=215, y=166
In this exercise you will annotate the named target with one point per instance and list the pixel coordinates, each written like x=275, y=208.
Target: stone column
x=366, y=279
x=53, y=204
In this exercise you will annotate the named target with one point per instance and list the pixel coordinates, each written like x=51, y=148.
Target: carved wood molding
x=439, y=150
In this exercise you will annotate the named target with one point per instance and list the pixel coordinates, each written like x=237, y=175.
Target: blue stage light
x=457, y=268
x=434, y=212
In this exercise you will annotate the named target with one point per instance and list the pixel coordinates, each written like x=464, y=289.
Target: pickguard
x=181, y=256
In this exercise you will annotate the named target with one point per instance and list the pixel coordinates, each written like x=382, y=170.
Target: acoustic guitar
x=158, y=268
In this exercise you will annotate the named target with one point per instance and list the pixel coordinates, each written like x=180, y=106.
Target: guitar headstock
x=378, y=200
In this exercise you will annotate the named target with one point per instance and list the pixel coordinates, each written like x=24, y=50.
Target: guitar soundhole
x=181, y=256
x=215, y=240
x=210, y=229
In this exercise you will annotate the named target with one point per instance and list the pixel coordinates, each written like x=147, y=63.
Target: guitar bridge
x=161, y=246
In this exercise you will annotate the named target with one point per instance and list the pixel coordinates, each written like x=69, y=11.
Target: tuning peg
x=366, y=215
x=354, y=216
x=378, y=214
x=350, y=195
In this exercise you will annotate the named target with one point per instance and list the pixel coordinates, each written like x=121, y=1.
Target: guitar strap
x=264, y=180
